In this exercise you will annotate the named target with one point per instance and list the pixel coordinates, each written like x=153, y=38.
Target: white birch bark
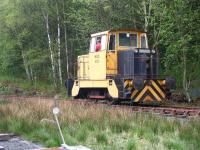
x=26, y=66
x=66, y=44
x=145, y=17
x=50, y=49
x=58, y=42
x=186, y=83
x=31, y=72
x=147, y=14
x=66, y=50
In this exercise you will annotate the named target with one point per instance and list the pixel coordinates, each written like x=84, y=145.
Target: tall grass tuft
x=131, y=145
x=101, y=138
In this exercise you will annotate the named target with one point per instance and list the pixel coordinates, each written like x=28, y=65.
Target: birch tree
x=26, y=66
x=186, y=82
x=66, y=44
x=58, y=45
x=145, y=8
x=46, y=18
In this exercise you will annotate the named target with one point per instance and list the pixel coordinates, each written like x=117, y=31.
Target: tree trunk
x=66, y=45
x=31, y=71
x=58, y=42
x=50, y=50
x=67, y=55
x=71, y=60
x=26, y=66
x=186, y=83
x=145, y=17
x=147, y=14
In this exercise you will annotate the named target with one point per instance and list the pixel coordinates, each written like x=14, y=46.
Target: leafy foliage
x=173, y=28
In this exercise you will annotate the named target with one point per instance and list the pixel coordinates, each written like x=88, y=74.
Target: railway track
x=182, y=112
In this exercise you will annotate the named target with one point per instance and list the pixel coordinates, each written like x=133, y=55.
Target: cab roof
x=117, y=30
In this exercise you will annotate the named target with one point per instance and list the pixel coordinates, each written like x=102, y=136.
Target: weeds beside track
x=97, y=126
x=182, y=112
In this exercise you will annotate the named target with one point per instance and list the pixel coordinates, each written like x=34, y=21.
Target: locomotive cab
x=119, y=65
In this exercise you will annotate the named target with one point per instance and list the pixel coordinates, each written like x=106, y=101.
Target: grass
x=101, y=138
x=8, y=85
x=98, y=127
x=131, y=145
x=172, y=144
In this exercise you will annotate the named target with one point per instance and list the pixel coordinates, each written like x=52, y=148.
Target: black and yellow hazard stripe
x=134, y=93
x=158, y=88
x=127, y=83
x=152, y=91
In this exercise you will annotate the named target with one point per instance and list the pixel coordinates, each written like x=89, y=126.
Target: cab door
x=111, y=56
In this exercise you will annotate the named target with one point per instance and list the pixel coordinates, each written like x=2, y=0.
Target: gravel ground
x=17, y=143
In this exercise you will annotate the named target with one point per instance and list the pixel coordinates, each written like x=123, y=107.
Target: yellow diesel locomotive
x=119, y=66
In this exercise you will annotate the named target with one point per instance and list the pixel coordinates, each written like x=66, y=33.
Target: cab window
x=112, y=42
x=98, y=43
x=143, y=41
x=92, y=44
x=127, y=39
x=103, y=42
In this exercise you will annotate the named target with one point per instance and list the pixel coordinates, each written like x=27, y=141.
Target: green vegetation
x=36, y=58
x=25, y=50
x=131, y=145
x=98, y=127
x=21, y=86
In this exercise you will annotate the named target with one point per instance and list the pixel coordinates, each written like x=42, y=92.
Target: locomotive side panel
x=111, y=60
x=83, y=67
x=97, y=65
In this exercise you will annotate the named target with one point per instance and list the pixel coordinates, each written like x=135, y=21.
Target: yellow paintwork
x=111, y=56
x=92, y=74
x=162, y=82
x=75, y=89
x=154, y=94
x=158, y=89
x=144, y=90
x=134, y=93
x=138, y=95
x=92, y=66
x=148, y=99
x=95, y=66
x=83, y=67
x=112, y=89
x=111, y=63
